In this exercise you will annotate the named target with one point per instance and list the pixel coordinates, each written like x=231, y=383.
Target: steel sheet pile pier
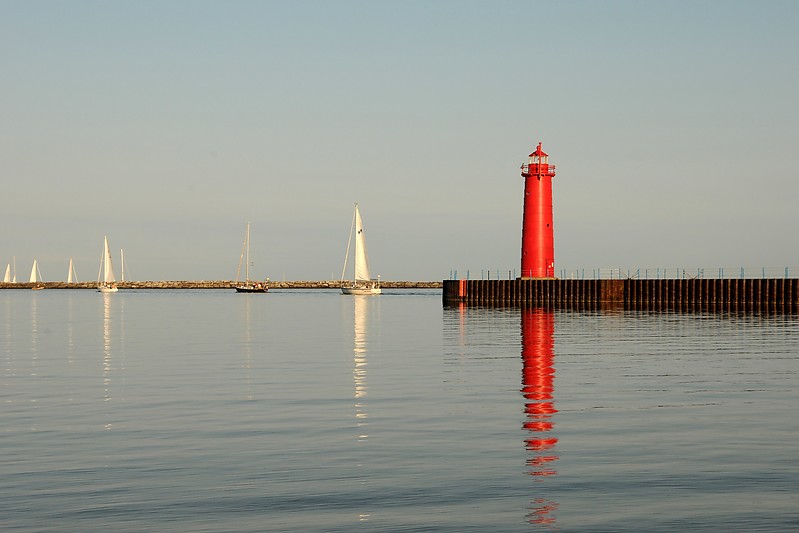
x=736, y=295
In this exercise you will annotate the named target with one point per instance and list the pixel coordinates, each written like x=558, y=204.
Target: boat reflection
x=364, y=307
x=34, y=335
x=106, y=347
x=538, y=373
x=8, y=320
x=247, y=338
x=70, y=328
x=113, y=341
x=361, y=305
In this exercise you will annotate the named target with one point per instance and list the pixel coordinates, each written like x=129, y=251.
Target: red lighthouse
x=538, y=242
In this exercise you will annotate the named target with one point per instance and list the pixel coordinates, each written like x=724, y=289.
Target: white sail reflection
x=359, y=373
x=107, y=348
x=113, y=363
x=34, y=335
x=248, y=346
x=70, y=333
x=361, y=305
x=8, y=316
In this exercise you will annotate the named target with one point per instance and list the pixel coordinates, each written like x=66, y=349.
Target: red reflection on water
x=541, y=511
x=538, y=373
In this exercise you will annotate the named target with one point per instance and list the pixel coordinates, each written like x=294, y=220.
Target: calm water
x=312, y=411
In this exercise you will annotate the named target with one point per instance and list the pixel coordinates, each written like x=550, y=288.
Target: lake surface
x=313, y=411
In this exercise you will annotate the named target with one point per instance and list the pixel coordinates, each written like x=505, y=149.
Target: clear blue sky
x=168, y=125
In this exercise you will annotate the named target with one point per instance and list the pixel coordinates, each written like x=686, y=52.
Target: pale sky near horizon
x=168, y=125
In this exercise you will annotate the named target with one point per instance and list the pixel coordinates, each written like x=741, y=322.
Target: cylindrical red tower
x=538, y=241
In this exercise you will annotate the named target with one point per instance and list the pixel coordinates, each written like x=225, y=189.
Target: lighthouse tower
x=538, y=242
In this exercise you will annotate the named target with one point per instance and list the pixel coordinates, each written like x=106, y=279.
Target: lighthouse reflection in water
x=538, y=372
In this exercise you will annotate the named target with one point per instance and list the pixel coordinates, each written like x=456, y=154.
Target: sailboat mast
x=247, y=267
x=357, y=244
x=100, y=269
x=107, y=257
x=349, y=243
x=122, y=261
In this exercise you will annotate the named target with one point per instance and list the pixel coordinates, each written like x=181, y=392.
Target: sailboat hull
x=107, y=289
x=251, y=288
x=361, y=290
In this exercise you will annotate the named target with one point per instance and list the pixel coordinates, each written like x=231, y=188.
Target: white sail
x=361, y=257
x=34, y=270
x=72, y=277
x=106, y=281
x=122, y=262
x=7, y=277
x=108, y=265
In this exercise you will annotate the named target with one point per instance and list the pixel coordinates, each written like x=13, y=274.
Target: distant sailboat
x=7, y=277
x=122, y=263
x=361, y=282
x=106, y=282
x=248, y=285
x=36, y=276
x=72, y=277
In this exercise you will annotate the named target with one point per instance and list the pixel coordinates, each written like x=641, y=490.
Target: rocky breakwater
x=335, y=284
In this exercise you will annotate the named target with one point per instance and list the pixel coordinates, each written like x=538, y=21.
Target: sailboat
x=7, y=277
x=248, y=285
x=72, y=277
x=361, y=282
x=36, y=276
x=106, y=282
